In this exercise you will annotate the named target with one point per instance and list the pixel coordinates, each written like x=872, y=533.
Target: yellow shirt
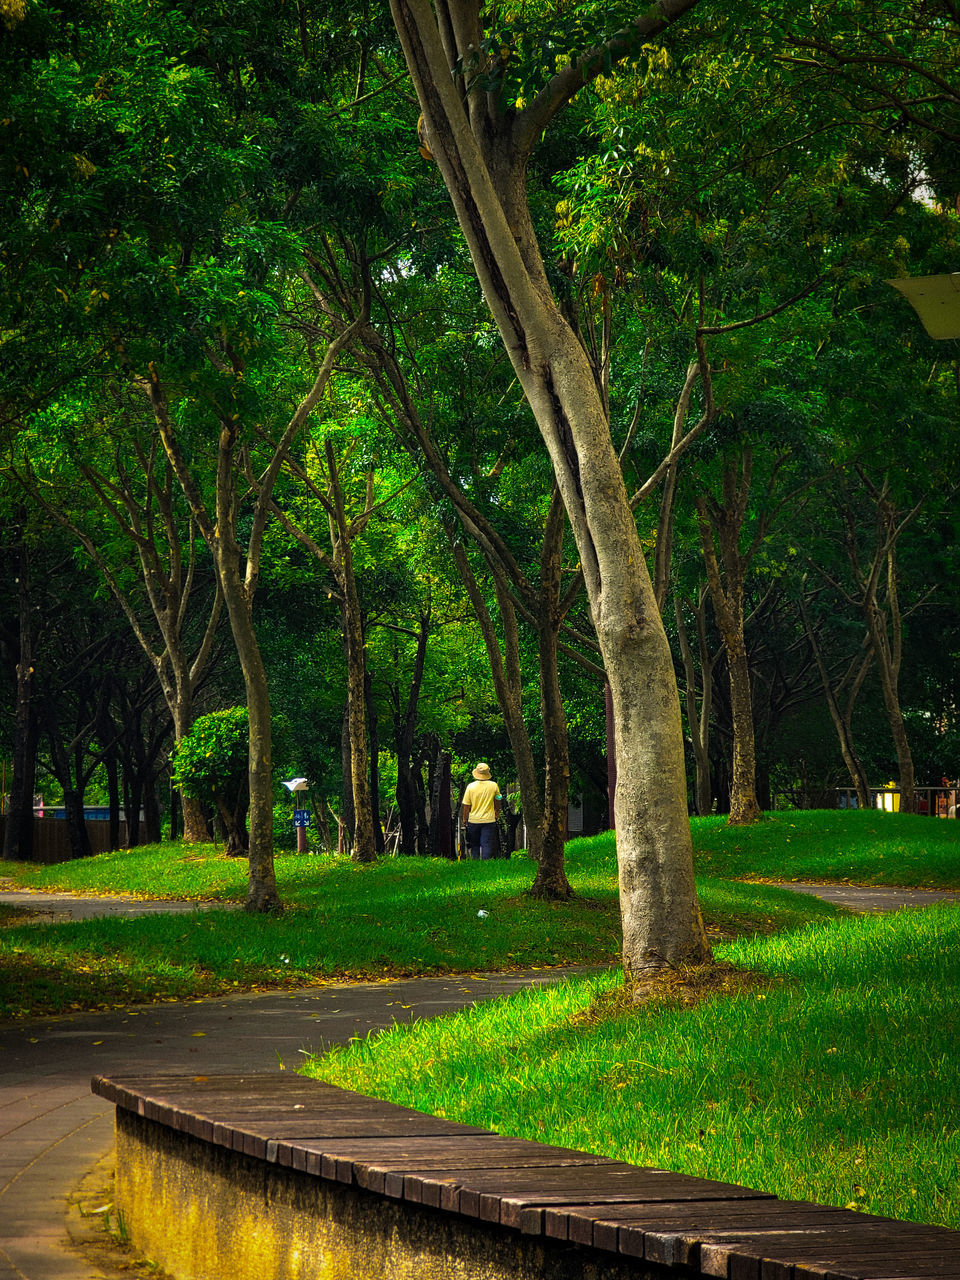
x=480, y=797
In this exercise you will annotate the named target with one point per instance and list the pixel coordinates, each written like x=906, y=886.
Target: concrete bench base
x=202, y=1212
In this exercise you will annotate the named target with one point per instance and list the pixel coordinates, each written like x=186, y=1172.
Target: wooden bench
x=300, y=1170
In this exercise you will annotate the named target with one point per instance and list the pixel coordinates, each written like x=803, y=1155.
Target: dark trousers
x=482, y=839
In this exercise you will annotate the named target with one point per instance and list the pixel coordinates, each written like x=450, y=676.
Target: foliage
x=212, y=757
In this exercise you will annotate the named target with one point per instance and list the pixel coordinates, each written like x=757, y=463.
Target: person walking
x=479, y=813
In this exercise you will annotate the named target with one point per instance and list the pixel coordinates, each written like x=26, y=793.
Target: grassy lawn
x=831, y=1075
x=864, y=847
x=835, y=1081
x=401, y=916
x=405, y=916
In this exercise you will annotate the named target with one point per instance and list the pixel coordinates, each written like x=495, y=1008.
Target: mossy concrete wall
x=202, y=1212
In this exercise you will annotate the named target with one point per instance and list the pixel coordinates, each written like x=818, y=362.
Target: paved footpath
x=870, y=898
x=53, y=1131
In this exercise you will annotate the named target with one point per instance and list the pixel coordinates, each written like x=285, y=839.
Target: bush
x=211, y=764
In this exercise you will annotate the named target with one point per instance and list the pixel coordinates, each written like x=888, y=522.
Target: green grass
x=405, y=916
x=400, y=916
x=837, y=1081
x=864, y=847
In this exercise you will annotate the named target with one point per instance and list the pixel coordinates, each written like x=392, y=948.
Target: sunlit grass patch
x=399, y=917
x=837, y=1082
x=862, y=846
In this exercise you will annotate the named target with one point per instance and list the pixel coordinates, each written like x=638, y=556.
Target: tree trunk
x=374, y=723
x=19, y=825
x=884, y=620
x=551, y=880
x=364, y=847
x=698, y=720
x=842, y=717
x=508, y=686
x=483, y=163
x=151, y=812
x=744, y=808
x=887, y=652
x=724, y=524
x=113, y=798
x=262, y=892
x=346, y=768
x=405, y=727
x=181, y=710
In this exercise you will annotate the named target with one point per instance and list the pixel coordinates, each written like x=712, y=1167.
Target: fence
x=51, y=838
x=937, y=802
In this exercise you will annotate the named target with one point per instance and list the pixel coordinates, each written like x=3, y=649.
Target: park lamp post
x=301, y=817
x=936, y=300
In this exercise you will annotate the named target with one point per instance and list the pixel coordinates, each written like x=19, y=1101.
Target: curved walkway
x=53, y=1131
x=870, y=898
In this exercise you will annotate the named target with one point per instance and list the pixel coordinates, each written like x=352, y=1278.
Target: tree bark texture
x=482, y=156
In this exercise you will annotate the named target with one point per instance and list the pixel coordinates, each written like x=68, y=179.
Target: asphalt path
x=53, y=1131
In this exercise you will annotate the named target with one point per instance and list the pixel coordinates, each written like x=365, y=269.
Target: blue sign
x=301, y=817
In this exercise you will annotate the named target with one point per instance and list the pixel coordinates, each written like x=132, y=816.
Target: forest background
x=262, y=444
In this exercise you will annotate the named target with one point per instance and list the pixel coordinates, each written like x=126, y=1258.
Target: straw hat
x=482, y=772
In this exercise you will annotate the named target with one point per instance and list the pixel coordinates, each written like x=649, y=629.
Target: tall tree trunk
x=884, y=618
x=151, y=811
x=551, y=878
x=237, y=572
x=842, y=716
x=346, y=768
x=111, y=769
x=181, y=709
x=483, y=162
x=19, y=825
x=508, y=687
x=364, y=844
x=262, y=892
x=405, y=728
x=888, y=650
x=698, y=719
x=374, y=722
x=79, y=837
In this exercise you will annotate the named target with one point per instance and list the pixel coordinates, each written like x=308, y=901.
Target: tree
x=69, y=463
x=482, y=140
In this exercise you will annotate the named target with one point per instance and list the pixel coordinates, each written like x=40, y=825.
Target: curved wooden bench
x=274, y=1177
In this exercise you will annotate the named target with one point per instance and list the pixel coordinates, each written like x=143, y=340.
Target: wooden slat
x=625, y=1229
x=858, y=1249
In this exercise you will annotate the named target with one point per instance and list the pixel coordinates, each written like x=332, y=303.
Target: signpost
x=301, y=817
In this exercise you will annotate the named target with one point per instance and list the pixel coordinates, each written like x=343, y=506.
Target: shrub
x=211, y=764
